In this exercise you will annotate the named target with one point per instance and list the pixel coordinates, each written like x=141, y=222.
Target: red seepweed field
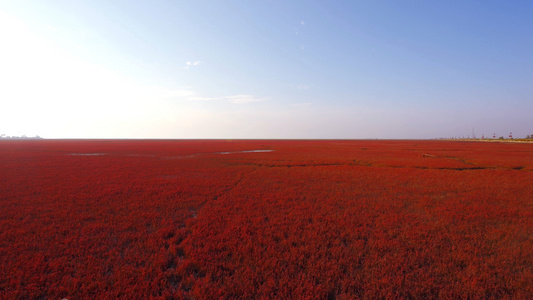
x=196, y=219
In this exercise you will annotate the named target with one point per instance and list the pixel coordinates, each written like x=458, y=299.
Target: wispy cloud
x=245, y=99
x=301, y=105
x=195, y=63
x=302, y=22
x=237, y=99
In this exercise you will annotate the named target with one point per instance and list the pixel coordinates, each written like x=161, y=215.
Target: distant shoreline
x=526, y=141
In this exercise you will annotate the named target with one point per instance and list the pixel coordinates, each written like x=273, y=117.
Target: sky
x=266, y=69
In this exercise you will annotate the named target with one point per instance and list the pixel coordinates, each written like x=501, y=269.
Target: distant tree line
x=3, y=136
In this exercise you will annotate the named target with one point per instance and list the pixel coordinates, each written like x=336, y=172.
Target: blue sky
x=266, y=69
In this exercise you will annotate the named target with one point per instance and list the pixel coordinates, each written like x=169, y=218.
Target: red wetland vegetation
x=204, y=219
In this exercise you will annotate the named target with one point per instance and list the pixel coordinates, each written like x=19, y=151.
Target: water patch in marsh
x=245, y=151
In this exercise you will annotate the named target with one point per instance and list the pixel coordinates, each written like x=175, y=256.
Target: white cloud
x=193, y=64
x=302, y=22
x=244, y=99
x=237, y=99
x=301, y=105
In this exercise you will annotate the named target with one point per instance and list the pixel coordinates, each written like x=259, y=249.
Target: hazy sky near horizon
x=266, y=69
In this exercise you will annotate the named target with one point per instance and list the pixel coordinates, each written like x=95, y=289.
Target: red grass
x=312, y=219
